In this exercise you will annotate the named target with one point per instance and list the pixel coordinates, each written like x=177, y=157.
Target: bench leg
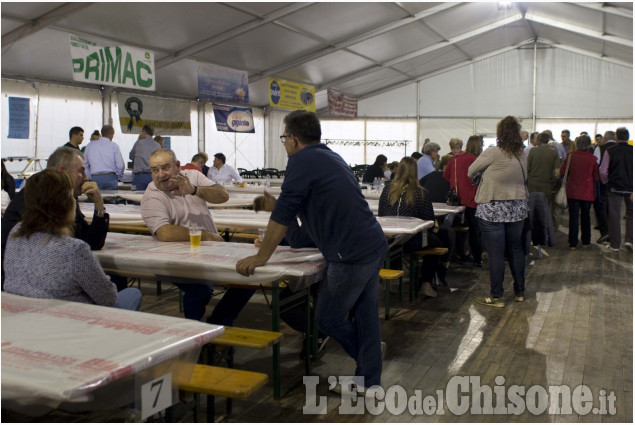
x=386, y=299
x=211, y=407
x=275, y=326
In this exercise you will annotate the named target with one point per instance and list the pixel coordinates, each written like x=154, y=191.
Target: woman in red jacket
x=466, y=190
x=582, y=175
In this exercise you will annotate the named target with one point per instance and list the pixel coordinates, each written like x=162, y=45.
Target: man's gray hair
x=162, y=150
x=431, y=147
x=609, y=135
x=63, y=157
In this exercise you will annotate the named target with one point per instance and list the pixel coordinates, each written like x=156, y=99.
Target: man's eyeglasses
x=283, y=138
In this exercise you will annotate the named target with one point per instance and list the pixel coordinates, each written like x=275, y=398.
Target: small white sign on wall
x=156, y=395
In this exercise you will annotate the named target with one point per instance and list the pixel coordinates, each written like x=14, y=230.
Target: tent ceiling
x=359, y=48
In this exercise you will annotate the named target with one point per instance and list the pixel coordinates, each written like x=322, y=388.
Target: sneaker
x=611, y=249
x=428, y=290
x=348, y=385
x=628, y=246
x=603, y=239
x=519, y=298
x=573, y=248
x=384, y=347
x=492, y=302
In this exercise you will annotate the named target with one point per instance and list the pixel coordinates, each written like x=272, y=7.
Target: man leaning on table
x=173, y=202
x=322, y=189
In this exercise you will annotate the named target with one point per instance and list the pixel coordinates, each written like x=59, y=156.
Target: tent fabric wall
x=575, y=86
x=399, y=103
x=63, y=107
x=441, y=130
x=275, y=154
x=496, y=86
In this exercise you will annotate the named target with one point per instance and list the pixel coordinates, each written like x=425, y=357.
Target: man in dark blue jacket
x=321, y=188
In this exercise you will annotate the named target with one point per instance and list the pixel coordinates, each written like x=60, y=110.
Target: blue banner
x=222, y=84
x=19, y=117
x=233, y=119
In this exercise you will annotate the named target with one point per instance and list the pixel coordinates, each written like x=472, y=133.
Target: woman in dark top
x=8, y=183
x=404, y=197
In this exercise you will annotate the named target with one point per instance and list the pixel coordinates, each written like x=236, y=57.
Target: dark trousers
x=474, y=234
x=499, y=238
x=430, y=263
x=600, y=206
x=578, y=208
x=615, y=218
x=196, y=297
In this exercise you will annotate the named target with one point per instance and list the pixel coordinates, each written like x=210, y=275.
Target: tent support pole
x=533, y=108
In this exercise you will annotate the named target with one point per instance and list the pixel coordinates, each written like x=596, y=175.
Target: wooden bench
x=387, y=276
x=254, y=339
x=414, y=262
x=222, y=382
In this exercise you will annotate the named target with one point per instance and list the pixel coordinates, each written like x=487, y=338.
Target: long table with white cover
x=249, y=219
x=56, y=351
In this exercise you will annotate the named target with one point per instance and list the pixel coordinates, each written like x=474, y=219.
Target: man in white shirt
x=175, y=200
x=221, y=172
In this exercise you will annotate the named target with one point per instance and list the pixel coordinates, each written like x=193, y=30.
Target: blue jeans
x=497, y=239
x=347, y=310
x=129, y=299
x=579, y=208
x=106, y=181
x=141, y=181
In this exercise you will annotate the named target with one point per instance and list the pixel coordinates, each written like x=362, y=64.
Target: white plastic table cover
x=259, y=181
x=259, y=190
x=236, y=200
x=55, y=351
x=212, y=261
x=249, y=219
x=439, y=208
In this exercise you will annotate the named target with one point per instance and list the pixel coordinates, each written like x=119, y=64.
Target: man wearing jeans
x=104, y=162
x=616, y=171
x=321, y=188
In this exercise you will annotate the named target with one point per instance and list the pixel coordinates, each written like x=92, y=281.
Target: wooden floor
x=575, y=327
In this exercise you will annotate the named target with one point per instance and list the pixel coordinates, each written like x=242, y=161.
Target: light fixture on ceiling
x=504, y=4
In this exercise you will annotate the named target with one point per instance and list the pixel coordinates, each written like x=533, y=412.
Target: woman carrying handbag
x=579, y=184
x=456, y=174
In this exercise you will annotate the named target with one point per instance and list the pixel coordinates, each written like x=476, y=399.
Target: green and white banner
x=168, y=117
x=120, y=66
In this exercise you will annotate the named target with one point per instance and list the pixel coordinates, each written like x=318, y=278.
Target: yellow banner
x=286, y=94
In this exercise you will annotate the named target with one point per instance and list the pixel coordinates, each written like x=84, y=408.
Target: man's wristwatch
x=195, y=190
x=100, y=213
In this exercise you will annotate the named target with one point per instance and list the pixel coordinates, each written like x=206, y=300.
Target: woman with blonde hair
x=404, y=197
x=44, y=260
x=502, y=208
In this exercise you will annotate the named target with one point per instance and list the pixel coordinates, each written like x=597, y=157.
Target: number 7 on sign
x=156, y=395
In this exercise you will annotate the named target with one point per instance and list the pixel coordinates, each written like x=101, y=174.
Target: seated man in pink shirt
x=197, y=163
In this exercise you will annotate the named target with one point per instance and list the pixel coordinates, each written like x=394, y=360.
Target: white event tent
x=418, y=70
